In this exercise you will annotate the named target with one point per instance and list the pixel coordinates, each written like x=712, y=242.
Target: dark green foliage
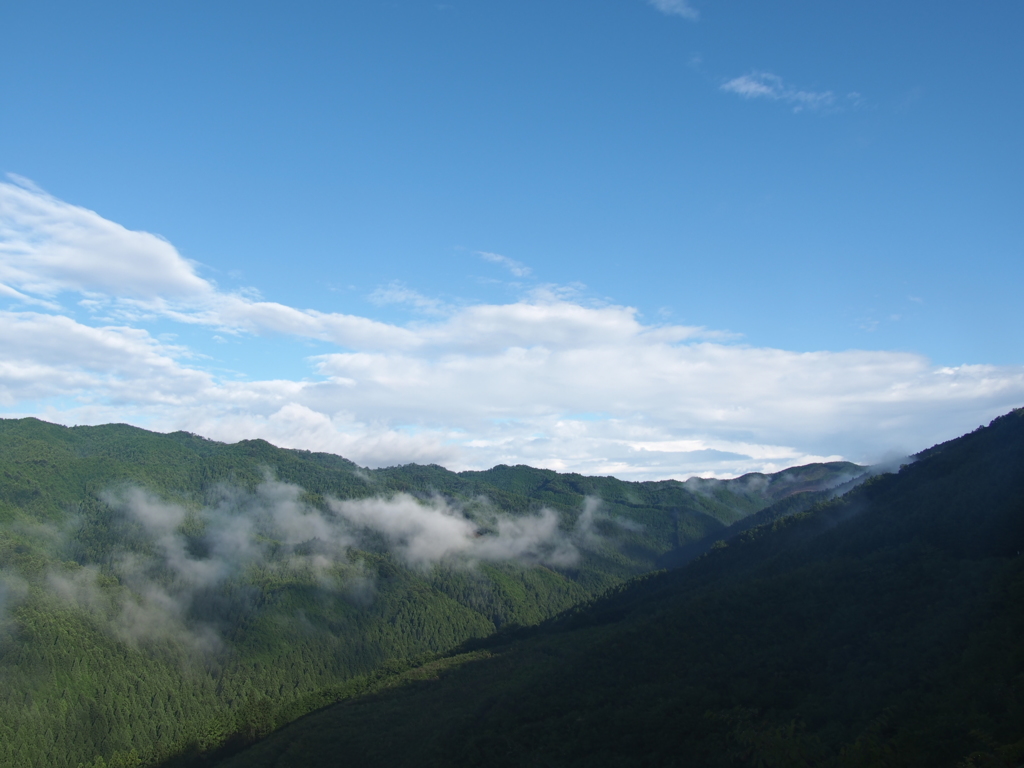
x=91, y=674
x=882, y=628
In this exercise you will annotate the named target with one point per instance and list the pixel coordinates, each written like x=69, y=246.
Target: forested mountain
x=880, y=628
x=163, y=596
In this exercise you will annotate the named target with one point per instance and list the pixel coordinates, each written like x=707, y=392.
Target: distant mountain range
x=170, y=599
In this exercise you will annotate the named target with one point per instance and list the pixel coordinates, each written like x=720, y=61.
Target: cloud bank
x=547, y=380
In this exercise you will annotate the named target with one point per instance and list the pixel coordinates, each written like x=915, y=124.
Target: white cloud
x=21, y=298
x=48, y=246
x=545, y=380
x=51, y=355
x=676, y=8
x=765, y=85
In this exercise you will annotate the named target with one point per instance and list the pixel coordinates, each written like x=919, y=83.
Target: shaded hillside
x=788, y=503
x=882, y=628
x=166, y=594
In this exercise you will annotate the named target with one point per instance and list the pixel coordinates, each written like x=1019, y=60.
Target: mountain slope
x=880, y=628
x=166, y=594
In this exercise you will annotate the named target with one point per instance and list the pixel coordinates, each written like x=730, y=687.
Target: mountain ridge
x=163, y=594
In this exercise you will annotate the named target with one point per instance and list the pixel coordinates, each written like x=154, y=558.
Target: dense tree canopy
x=165, y=596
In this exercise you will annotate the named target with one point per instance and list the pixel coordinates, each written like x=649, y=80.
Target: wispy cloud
x=676, y=8
x=21, y=298
x=399, y=293
x=765, y=85
x=515, y=267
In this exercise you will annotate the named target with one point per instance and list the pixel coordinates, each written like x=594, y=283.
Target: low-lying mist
x=179, y=573
x=422, y=534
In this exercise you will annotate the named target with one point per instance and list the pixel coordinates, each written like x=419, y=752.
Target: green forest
x=882, y=627
x=170, y=600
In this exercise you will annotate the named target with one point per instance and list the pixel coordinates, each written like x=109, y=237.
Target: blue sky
x=648, y=239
